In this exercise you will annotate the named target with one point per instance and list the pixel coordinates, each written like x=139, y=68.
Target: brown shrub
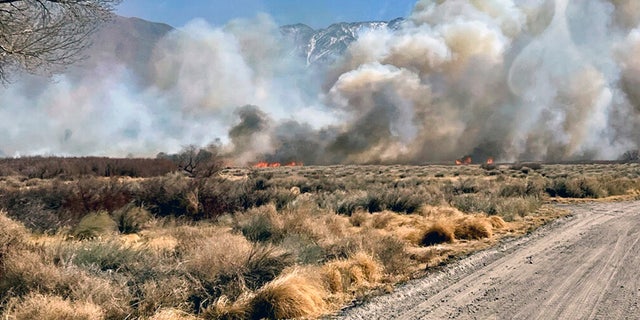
x=290, y=296
x=473, y=228
x=47, y=307
x=441, y=231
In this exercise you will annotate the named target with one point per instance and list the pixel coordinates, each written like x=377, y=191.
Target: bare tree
x=196, y=162
x=43, y=36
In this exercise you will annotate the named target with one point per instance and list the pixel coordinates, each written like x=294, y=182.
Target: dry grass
x=291, y=242
x=440, y=231
x=497, y=222
x=352, y=275
x=290, y=296
x=48, y=307
x=172, y=314
x=473, y=228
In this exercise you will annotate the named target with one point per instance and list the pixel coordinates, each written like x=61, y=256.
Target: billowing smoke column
x=535, y=80
x=514, y=80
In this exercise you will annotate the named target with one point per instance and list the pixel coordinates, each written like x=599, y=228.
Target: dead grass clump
x=225, y=309
x=24, y=271
x=112, y=294
x=473, y=228
x=359, y=218
x=261, y=224
x=12, y=235
x=497, y=222
x=351, y=275
x=290, y=296
x=391, y=252
x=169, y=292
x=223, y=253
x=440, y=231
x=47, y=307
x=172, y=314
x=383, y=219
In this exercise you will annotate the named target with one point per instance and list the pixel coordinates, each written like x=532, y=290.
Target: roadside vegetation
x=158, y=241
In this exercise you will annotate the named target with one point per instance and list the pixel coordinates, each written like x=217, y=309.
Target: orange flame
x=466, y=160
x=490, y=160
x=262, y=165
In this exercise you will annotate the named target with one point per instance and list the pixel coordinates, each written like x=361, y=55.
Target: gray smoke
x=510, y=79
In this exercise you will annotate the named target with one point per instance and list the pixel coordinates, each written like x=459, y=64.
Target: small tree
x=195, y=161
x=43, y=36
x=630, y=156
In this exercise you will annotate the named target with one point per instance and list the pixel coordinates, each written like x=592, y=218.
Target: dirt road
x=583, y=267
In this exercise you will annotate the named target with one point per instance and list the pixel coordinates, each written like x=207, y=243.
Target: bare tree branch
x=44, y=36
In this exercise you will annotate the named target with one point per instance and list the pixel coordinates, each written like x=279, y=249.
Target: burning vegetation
x=264, y=164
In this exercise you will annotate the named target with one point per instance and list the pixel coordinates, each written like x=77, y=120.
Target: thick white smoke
x=511, y=79
x=535, y=80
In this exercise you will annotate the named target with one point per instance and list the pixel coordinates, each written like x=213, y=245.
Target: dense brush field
x=98, y=238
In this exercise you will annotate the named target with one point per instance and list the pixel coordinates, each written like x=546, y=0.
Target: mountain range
x=131, y=41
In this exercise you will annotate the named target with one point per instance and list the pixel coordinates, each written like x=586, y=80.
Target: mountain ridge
x=131, y=41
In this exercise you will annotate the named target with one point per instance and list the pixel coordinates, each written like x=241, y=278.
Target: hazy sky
x=316, y=13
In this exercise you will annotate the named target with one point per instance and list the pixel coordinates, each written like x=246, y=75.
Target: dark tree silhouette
x=44, y=36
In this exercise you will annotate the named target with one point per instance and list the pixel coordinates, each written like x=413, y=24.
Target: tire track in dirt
x=582, y=267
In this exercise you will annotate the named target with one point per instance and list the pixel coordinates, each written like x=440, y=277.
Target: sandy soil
x=586, y=266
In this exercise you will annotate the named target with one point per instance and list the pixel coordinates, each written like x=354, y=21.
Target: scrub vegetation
x=154, y=242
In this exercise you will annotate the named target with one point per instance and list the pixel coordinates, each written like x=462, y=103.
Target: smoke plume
x=509, y=79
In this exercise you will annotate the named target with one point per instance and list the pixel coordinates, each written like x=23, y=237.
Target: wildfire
x=490, y=160
x=466, y=160
x=264, y=164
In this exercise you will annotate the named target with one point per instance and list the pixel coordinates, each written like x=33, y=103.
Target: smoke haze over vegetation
x=515, y=80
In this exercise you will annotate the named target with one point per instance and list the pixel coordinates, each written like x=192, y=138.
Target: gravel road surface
x=586, y=266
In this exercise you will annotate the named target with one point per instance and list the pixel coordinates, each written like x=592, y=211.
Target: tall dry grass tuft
x=473, y=228
x=48, y=307
x=351, y=275
x=440, y=231
x=290, y=296
x=225, y=309
x=12, y=234
x=112, y=294
x=172, y=314
x=261, y=224
x=497, y=222
x=23, y=271
x=168, y=292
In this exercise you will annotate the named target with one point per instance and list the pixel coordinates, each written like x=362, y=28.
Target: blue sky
x=316, y=13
